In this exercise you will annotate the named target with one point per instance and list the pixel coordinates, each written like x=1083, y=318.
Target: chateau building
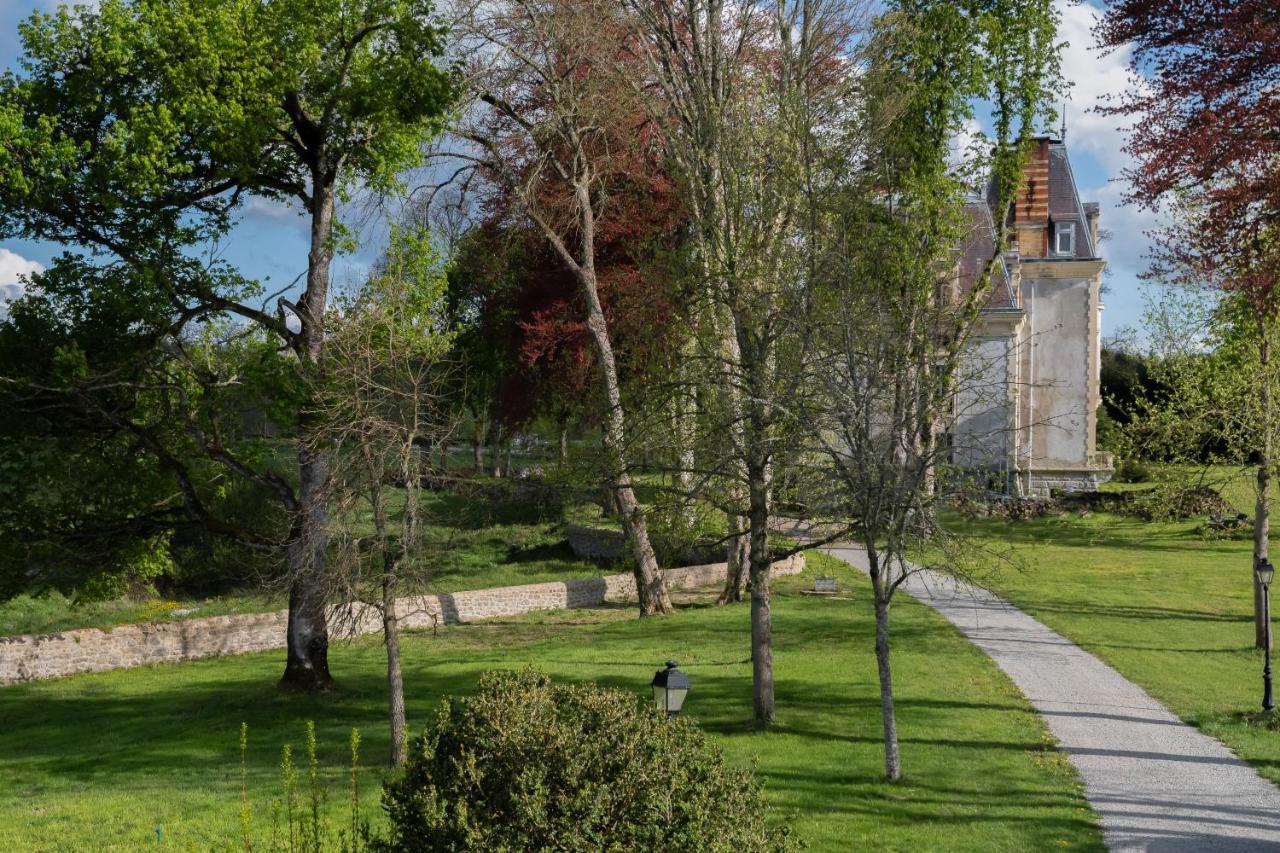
x=1027, y=398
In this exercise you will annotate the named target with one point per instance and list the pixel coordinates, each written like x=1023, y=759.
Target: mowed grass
x=469, y=544
x=97, y=762
x=1169, y=608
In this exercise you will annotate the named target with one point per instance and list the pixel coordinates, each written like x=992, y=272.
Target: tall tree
x=107, y=428
x=891, y=323
x=744, y=90
x=134, y=130
x=1205, y=106
x=1199, y=404
x=384, y=403
x=545, y=121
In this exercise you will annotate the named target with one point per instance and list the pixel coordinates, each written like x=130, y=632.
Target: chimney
x=1031, y=209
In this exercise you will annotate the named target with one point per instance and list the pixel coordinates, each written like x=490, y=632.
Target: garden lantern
x=670, y=687
x=1265, y=573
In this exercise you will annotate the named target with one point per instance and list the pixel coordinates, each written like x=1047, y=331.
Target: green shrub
x=526, y=764
x=1133, y=471
x=138, y=565
x=1170, y=502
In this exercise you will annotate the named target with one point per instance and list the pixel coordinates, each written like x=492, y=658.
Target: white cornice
x=1062, y=268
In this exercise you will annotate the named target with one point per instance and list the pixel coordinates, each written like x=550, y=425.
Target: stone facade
x=36, y=656
x=1027, y=397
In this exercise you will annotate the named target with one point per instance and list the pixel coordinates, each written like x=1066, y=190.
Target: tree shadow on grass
x=915, y=797
x=1128, y=611
x=1124, y=534
x=183, y=730
x=546, y=551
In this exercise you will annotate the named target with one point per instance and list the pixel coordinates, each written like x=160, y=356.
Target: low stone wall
x=35, y=656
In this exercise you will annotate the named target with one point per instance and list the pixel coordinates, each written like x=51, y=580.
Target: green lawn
x=470, y=544
x=96, y=762
x=1237, y=484
x=1168, y=608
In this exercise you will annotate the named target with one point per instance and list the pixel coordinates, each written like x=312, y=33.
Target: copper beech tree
x=1204, y=108
x=544, y=119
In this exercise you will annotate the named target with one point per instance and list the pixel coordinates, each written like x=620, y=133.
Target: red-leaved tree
x=546, y=122
x=1206, y=138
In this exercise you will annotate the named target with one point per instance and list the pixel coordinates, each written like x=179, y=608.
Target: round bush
x=1133, y=471
x=526, y=764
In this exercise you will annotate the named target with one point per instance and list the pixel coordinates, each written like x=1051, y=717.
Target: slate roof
x=1064, y=199
x=1063, y=206
x=978, y=248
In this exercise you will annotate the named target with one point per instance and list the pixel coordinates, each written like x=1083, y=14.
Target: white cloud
x=271, y=209
x=13, y=271
x=1095, y=77
x=967, y=144
x=1127, y=225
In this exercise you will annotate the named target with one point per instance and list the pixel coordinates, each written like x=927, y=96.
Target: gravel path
x=1158, y=784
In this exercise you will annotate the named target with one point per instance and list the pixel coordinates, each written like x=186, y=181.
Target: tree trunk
x=307, y=636
x=390, y=563
x=495, y=449
x=650, y=586
x=477, y=445
x=738, y=561
x=761, y=615
x=506, y=457
x=1262, y=509
x=683, y=427
x=307, y=642
x=395, y=680
x=892, y=756
x=564, y=443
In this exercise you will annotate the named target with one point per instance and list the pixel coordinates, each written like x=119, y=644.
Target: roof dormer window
x=1064, y=234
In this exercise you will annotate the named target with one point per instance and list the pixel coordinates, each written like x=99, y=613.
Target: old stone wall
x=34, y=656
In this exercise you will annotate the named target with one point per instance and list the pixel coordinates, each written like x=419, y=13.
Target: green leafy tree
x=1208, y=384
x=110, y=426
x=890, y=327
x=133, y=131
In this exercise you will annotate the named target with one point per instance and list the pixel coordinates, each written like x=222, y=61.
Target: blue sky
x=270, y=243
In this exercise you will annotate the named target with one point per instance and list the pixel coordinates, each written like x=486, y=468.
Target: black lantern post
x=1265, y=573
x=670, y=687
